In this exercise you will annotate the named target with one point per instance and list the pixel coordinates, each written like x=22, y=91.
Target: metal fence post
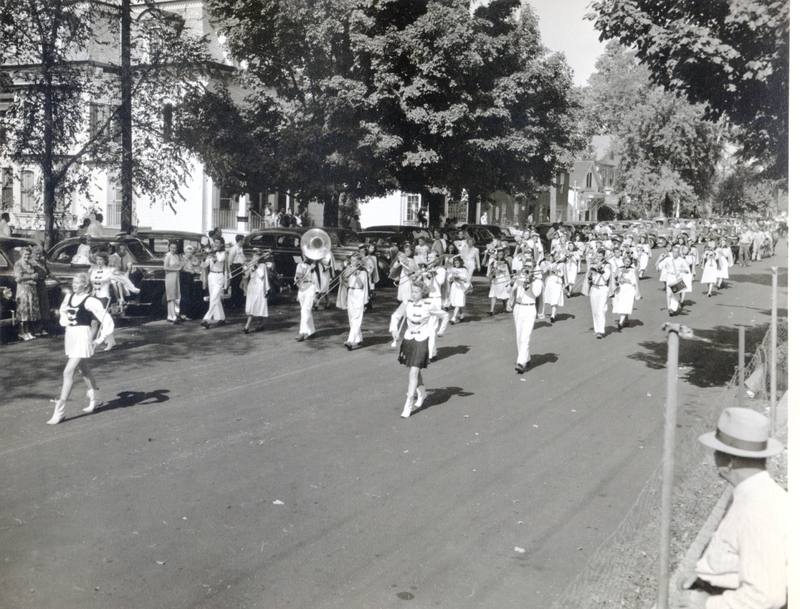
x=773, y=355
x=741, y=366
x=670, y=421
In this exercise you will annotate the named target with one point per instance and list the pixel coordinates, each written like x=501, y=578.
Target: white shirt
x=748, y=551
x=418, y=315
x=5, y=229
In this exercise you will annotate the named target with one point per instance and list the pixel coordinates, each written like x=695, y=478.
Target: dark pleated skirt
x=414, y=353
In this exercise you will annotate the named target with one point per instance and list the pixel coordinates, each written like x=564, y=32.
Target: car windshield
x=138, y=250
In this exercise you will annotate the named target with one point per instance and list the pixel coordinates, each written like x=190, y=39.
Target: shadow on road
x=125, y=399
x=709, y=364
x=540, y=359
x=445, y=352
x=437, y=397
x=762, y=278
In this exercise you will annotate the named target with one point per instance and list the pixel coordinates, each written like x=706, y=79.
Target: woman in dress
x=42, y=273
x=645, y=252
x=725, y=261
x=421, y=251
x=710, y=266
x=471, y=257
x=554, y=283
x=76, y=315
x=401, y=270
x=256, y=276
x=499, y=273
x=627, y=291
x=458, y=280
x=83, y=256
x=218, y=269
x=572, y=265
x=27, y=297
x=418, y=312
x=172, y=282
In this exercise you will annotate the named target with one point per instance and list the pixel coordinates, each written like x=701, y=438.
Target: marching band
x=430, y=282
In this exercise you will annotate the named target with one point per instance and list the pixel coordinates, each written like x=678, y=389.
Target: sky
x=564, y=29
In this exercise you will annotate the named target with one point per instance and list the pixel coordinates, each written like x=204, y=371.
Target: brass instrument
x=315, y=244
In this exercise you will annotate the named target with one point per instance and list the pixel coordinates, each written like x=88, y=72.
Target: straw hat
x=744, y=433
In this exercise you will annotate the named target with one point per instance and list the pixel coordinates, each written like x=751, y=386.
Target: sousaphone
x=315, y=244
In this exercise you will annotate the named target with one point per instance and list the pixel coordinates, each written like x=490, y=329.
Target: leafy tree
x=418, y=95
x=668, y=152
x=732, y=55
x=744, y=191
x=63, y=117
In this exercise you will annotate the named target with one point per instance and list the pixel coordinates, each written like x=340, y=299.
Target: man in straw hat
x=744, y=564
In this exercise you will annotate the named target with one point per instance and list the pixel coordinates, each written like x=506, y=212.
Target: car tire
x=662, y=242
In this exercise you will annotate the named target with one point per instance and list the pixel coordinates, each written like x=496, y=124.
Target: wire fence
x=623, y=571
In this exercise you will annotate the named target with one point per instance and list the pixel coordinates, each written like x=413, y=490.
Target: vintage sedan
x=147, y=272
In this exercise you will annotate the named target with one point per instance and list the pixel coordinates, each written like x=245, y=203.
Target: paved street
x=233, y=470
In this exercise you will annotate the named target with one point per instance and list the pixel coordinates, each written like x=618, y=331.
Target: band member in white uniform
x=434, y=277
x=414, y=349
x=573, y=267
x=322, y=276
x=499, y=273
x=627, y=291
x=645, y=252
x=458, y=280
x=675, y=267
x=599, y=276
x=306, y=293
x=554, y=284
x=76, y=314
x=524, y=292
x=401, y=270
x=218, y=269
x=725, y=261
x=352, y=296
x=710, y=266
x=256, y=288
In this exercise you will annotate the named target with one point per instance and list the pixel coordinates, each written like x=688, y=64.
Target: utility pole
x=126, y=166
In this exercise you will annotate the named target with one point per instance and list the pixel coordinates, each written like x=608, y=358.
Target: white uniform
x=598, y=298
x=305, y=296
x=524, y=319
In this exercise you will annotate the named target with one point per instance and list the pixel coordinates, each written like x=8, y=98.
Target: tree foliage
x=63, y=117
x=745, y=191
x=731, y=55
x=376, y=95
x=668, y=152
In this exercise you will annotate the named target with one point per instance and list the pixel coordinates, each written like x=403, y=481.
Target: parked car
x=10, y=248
x=387, y=244
x=147, y=273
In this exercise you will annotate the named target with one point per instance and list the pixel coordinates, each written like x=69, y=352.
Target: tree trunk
x=330, y=213
x=435, y=208
x=472, y=207
x=48, y=184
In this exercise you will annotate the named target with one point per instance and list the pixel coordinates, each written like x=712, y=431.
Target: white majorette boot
x=421, y=395
x=58, y=414
x=94, y=400
x=408, y=407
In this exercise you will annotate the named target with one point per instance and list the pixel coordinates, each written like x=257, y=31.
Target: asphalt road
x=254, y=471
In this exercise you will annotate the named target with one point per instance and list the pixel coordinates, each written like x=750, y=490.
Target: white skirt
x=553, y=291
x=256, y=303
x=78, y=342
x=457, y=295
x=500, y=288
x=710, y=274
x=623, y=300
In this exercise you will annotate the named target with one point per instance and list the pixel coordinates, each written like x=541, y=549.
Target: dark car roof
x=7, y=242
x=167, y=234
x=114, y=239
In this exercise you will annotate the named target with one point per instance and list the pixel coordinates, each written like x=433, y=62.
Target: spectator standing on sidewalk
x=745, y=563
